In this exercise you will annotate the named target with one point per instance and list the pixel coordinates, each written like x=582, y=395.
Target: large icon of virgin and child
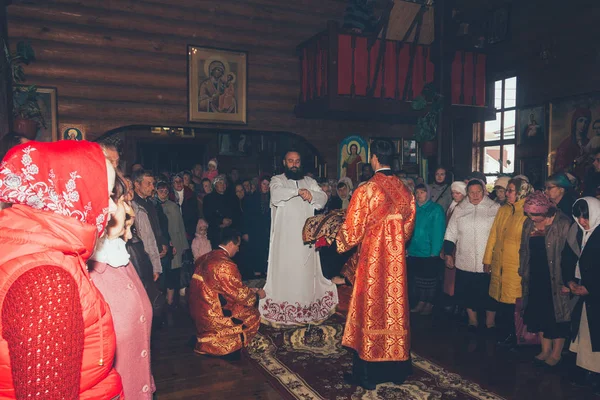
x=217, y=91
x=353, y=153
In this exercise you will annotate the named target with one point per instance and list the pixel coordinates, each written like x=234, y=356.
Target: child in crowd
x=212, y=171
x=201, y=244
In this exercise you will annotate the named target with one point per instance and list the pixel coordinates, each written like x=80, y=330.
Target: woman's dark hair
x=162, y=185
x=384, y=150
x=205, y=180
x=581, y=209
x=120, y=187
x=420, y=186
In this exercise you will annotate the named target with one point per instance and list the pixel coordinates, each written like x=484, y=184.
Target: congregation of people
x=94, y=260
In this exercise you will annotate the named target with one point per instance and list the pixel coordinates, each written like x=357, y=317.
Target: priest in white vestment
x=297, y=293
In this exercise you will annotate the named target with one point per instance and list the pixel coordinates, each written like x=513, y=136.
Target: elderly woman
x=559, y=189
x=546, y=309
x=501, y=257
x=116, y=278
x=467, y=233
x=581, y=274
x=424, y=249
x=45, y=290
x=178, y=243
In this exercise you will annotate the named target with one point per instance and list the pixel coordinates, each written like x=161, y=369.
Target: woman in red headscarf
x=57, y=339
x=571, y=153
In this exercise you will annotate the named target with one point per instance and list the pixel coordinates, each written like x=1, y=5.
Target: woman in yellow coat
x=501, y=257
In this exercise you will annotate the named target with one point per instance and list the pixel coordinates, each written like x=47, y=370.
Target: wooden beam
x=167, y=43
x=144, y=78
x=154, y=24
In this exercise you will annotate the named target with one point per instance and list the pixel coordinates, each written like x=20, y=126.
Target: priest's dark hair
x=291, y=150
x=229, y=234
x=384, y=150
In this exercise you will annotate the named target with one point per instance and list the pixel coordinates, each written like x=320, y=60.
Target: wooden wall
x=124, y=62
x=5, y=89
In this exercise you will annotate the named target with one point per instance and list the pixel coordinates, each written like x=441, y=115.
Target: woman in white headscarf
x=344, y=191
x=581, y=274
x=459, y=192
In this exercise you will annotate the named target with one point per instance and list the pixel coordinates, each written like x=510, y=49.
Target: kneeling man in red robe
x=222, y=307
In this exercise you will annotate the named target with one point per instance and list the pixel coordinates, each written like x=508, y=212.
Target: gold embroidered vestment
x=380, y=220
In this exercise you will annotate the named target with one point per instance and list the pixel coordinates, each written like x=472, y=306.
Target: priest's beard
x=294, y=173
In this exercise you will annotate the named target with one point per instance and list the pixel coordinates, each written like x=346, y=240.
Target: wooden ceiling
x=401, y=18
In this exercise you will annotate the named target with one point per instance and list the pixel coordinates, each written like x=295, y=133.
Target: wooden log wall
x=124, y=62
x=5, y=89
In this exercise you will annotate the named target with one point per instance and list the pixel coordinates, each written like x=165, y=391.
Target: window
x=497, y=138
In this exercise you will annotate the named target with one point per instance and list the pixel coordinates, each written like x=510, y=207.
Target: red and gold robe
x=379, y=219
x=223, y=309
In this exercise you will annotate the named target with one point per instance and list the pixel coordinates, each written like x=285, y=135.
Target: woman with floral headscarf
x=56, y=331
x=546, y=310
x=581, y=274
x=501, y=258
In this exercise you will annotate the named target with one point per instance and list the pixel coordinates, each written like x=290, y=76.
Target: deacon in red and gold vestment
x=380, y=220
x=223, y=308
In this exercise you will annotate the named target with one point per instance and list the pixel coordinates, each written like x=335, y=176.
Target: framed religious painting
x=353, y=154
x=234, y=144
x=217, y=85
x=73, y=133
x=48, y=109
x=534, y=168
x=574, y=133
x=532, y=126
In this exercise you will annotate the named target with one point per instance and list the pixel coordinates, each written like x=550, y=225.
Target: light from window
x=497, y=152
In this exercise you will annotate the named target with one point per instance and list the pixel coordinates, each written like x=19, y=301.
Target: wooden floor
x=180, y=374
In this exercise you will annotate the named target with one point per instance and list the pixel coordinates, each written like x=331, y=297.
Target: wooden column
x=5, y=84
x=444, y=48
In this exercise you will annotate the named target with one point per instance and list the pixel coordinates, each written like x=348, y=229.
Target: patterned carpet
x=309, y=363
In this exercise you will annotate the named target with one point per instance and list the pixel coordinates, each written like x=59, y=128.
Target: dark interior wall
x=124, y=62
x=554, y=49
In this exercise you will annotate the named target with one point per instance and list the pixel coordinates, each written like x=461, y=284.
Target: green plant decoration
x=26, y=105
x=426, y=129
x=25, y=97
